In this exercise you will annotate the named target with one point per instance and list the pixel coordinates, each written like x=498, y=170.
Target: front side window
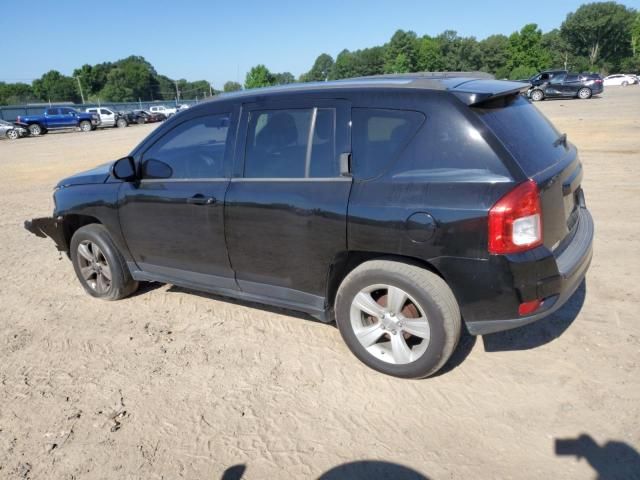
x=193, y=149
x=378, y=137
x=104, y=112
x=67, y=111
x=52, y=111
x=294, y=143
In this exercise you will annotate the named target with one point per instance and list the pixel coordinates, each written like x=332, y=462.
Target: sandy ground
x=174, y=384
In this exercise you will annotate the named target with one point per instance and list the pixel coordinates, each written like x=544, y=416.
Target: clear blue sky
x=220, y=41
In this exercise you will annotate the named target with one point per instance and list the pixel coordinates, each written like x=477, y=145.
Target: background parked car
x=58, y=118
x=109, y=118
x=182, y=107
x=11, y=131
x=560, y=83
x=620, y=79
x=166, y=111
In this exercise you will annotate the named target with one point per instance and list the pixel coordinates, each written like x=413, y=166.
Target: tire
x=584, y=93
x=537, y=95
x=85, y=126
x=121, y=123
x=35, y=129
x=93, y=253
x=429, y=301
x=13, y=134
x=625, y=83
x=140, y=121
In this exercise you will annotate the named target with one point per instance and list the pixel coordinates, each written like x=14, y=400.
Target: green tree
x=259, y=76
x=601, y=31
x=321, y=69
x=494, y=52
x=635, y=36
x=55, y=87
x=15, y=93
x=459, y=53
x=283, y=78
x=365, y=62
x=526, y=52
x=117, y=88
x=232, y=86
x=430, y=55
x=401, y=53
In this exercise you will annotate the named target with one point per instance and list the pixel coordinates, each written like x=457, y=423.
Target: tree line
x=600, y=36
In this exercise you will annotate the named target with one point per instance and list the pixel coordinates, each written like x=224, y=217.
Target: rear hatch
x=545, y=155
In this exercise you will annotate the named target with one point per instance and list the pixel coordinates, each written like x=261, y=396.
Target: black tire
x=537, y=95
x=432, y=294
x=35, y=129
x=13, y=134
x=625, y=83
x=121, y=123
x=140, y=121
x=85, y=126
x=584, y=93
x=121, y=283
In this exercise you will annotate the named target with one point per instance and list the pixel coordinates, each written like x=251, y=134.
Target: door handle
x=200, y=199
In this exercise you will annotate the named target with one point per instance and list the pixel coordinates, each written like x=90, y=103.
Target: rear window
x=527, y=134
x=378, y=137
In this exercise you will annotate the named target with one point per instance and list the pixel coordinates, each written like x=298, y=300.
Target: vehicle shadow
x=612, y=461
x=146, y=287
x=540, y=332
x=364, y=469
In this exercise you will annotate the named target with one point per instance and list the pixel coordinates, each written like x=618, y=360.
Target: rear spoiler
x=475, y=92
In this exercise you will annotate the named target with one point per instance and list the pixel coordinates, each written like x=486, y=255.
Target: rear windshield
x=527, y=134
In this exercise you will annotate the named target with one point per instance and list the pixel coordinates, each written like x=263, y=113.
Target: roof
x=473, y=86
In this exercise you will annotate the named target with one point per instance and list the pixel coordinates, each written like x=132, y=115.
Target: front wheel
x=99, y=265
x=85, y=126
x=397, y=318
x=584, y=93
x=13, y=134
x=625, y=83
x=537, y=95
x=35, y=130
x=140, y=121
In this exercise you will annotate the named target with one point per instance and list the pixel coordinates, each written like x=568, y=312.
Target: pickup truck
x=109, y=118
x=166, y=111
x=58, y=118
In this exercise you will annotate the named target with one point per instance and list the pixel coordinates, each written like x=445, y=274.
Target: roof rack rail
x=476, y=74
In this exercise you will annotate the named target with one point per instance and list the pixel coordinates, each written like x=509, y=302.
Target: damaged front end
x=48, y=227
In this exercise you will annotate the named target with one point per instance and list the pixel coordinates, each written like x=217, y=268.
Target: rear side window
x=378, y=136
x=193, y=149
x=527, y=134
x=294, y=143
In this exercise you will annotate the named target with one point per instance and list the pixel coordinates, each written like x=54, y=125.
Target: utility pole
x=177, y=92
x=210, y=90
x=80, y=87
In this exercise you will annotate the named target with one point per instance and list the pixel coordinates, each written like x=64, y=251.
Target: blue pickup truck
x=58, y=118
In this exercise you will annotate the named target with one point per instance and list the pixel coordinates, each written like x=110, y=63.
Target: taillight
x=515, y=221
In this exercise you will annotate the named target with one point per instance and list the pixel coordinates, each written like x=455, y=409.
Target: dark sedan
x=559, y=83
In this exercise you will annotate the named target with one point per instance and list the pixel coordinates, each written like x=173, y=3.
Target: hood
x=99, y=174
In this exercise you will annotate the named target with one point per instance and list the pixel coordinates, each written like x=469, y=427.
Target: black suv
x=398, y=207
x=561, y=83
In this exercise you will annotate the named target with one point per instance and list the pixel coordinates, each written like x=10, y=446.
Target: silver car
x=11, y=131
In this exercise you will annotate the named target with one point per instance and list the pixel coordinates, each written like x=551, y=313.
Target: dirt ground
x=174, y=384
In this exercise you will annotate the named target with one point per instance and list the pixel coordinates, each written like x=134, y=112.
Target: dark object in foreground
x=397, y=206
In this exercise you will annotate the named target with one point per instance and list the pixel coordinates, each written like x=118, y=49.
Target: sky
x=219, y=41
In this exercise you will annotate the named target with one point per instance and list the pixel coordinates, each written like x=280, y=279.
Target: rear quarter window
x=525, y=132
x=378, y=136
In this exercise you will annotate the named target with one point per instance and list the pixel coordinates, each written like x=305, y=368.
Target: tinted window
x=193, y=149
x=526, y=133
x=104, y=112
x=295, y=143
x=67, y=111
x=52, y=111
x=378, y=137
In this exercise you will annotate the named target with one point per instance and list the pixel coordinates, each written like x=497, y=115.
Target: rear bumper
x=44, y=227
x=572, y=265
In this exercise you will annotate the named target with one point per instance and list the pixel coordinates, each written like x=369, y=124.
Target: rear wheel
x=399, y=319
x=625, y=83
x=121, y=123
x=85, y=126
x=99, y=265
x=584, y=93
x=537, y=95
x=35, y=129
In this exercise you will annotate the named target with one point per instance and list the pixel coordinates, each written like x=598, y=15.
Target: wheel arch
x=72, y=222
x=347, y=261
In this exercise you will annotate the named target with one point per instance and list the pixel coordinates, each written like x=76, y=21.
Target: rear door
x=286, y=208
x=54, y=118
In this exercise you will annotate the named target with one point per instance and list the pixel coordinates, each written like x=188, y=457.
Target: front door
x=172, y=219
x=286, y=207
x=107, y=117
x=54, y=118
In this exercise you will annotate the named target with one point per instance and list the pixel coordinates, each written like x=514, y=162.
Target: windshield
x=525, y=132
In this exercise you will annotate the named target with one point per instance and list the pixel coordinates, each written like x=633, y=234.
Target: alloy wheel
x=390, y=324
x=94, y=266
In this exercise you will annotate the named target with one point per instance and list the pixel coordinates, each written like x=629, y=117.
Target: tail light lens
x=515, y=221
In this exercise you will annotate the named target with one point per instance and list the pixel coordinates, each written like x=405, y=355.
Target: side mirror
x=124, y=169
x=156, y=169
